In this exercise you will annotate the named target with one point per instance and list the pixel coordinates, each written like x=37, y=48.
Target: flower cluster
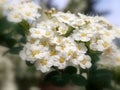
x=18, y=10
x=110, y=57
x=64, y=40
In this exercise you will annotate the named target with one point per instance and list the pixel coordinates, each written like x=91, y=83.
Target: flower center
x=43, y=62
x=35, y=52
x=62, y=60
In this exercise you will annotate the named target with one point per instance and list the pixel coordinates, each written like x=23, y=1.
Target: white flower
x=78, y=23
x=29, y=14
x=60, y=61
x=36, y=32
x=14, y=17
x=109, y=57
x=82, y=35
x=48, y=34
x=99, y=43
x=43, y=65
x=34, y=52
x=32, y=5
x=76, y=57
x=25, y=10
x=33, y=40
x=57, y=40
x=61, y=48
x=62, y=29
x=66, y=45
x=85, y=62
x=81, y=47
x=67, y=18
x=107, y=34
x=48, y=45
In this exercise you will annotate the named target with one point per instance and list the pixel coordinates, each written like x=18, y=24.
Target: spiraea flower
x=18, y=10
x=65, y=39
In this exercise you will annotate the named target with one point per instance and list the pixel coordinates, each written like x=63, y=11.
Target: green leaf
x=93, y=54
x=99, y=79
x=29, y=63
x=10, y=42
x=70, y=30
x=78, y=80
x=25, y=25
x=70, y=70
x=57, y=78
x=116, y=76
x=15, y=50
x=4, y=24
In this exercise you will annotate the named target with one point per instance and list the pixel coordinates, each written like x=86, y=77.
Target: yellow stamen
x=47, y=33
x=59, y=41
x=79, y=47
x=35, y=52
x=70, y=53
x=83, y=34
x=107, y=33
x=74, y=55
x=62, y=47
x=43, y=62
x=28, y=13
x=44, y=43
x=63, y=31
x=16, y=16
x=105, y=44
x=52, y=53
x=65, y=18
x=37, y=32
x=32, y=41
x=62, y=60
x=84, y=61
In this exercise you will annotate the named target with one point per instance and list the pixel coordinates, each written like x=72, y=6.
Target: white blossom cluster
x=60, y=41
x=18, y=10
x=110, y=58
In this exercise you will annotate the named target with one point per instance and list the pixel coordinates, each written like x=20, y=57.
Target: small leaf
x=25, y=25
x=70, y=70
x=29, y=63
x=78, y=80
x=70, y=30
x=15, y=50
x=50, y=75
x=99, y=79
x=58, y=80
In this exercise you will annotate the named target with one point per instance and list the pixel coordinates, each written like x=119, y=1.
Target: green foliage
x=70, y=30
x=70, y=70
x=12, y=35
x=116, y=73
x=93, y=54
x=78, y=80
x=25, y=26
x=15, y=50
x=29, y=63
x=65, y=77
x=99, y=79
